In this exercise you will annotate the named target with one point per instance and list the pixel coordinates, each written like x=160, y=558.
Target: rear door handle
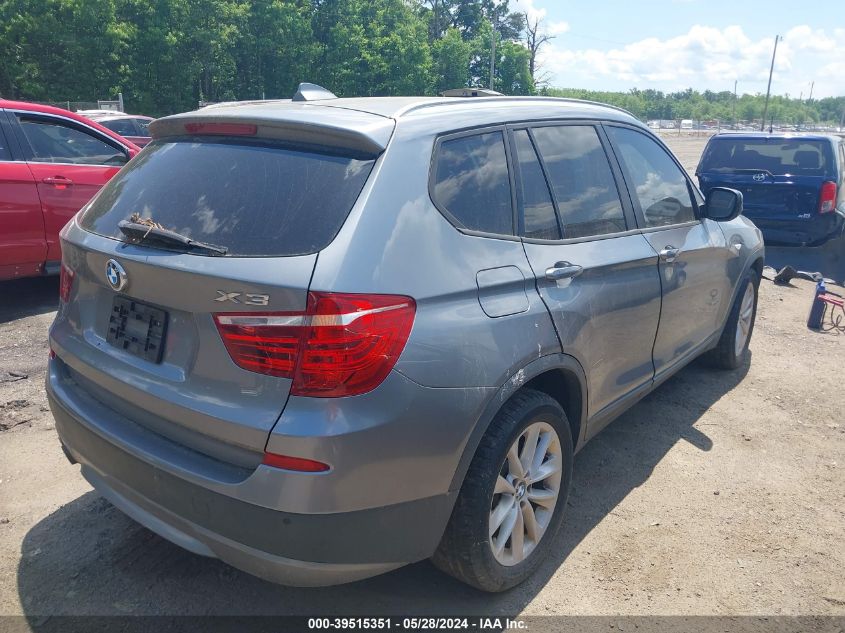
x=59, y=182
x=563, y=270
x=669, y=254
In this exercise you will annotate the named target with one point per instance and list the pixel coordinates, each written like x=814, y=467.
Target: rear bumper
x=812, y=231
x=285, y=547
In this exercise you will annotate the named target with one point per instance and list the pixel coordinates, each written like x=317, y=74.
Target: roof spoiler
x=337, y=128
x=312, y=92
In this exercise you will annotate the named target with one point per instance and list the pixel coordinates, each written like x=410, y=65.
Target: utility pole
x=492, y=55
x=812, y=85
x=769, y=89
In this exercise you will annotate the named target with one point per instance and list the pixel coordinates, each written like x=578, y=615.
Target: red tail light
x=294, y=463
x=66, y=276
x=342, y=345
x=827, y=199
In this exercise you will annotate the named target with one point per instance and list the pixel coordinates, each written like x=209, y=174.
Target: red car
x=52, y=162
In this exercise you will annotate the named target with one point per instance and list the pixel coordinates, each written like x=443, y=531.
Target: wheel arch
x=757, y=265
x=558, y=375
x=754, y=263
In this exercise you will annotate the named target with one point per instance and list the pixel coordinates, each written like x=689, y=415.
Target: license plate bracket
x=137, y=328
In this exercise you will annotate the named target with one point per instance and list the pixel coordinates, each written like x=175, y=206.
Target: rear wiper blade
x=137, y=233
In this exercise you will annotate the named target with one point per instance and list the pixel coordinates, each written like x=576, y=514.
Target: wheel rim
x=746, y=316
x=526, y=493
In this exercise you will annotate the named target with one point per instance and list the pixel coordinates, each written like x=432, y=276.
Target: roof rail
x=470, y=92
x=432, y=104
x=312, y=92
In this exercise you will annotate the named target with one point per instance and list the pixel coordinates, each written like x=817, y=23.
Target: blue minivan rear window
x=778, y=156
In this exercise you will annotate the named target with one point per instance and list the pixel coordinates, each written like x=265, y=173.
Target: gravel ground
x=719, y=494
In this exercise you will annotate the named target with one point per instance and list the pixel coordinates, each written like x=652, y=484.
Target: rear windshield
x=256, y=200
x=777, y=156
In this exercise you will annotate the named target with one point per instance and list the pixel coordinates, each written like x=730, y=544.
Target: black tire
x=724, y=355
x=464, y=551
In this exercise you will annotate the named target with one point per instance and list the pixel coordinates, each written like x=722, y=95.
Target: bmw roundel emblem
x=116, y=275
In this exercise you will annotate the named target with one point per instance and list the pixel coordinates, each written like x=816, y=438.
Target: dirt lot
x=721, y=493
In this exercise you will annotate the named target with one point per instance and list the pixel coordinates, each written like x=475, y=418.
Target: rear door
x=597, y=276
x=23, y=248
x=70, y=163
x=273, y=206
x=693, y=254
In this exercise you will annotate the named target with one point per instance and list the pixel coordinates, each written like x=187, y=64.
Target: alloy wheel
x=526, y=493
x=746, y=315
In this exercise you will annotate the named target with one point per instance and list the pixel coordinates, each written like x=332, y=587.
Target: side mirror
x=723, y=204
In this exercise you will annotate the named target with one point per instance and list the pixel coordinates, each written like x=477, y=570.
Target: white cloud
x=556, y=28
x=527, y=7
x=706, y=57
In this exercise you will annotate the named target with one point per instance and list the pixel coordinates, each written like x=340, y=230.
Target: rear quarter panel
x=458, y=356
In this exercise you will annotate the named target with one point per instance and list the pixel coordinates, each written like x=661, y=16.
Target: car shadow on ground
x=88, y=558
x=28, y=297
x=828, y=259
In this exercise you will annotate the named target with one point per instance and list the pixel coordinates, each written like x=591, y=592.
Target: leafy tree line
x=709, y=105
x=166, y=55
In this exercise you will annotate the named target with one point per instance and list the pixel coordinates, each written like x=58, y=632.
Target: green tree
x=377, y=47
x=60, y=49
x=513, y=76
x=451, y=61
x=166, y=55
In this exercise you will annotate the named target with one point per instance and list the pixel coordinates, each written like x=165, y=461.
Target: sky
x=671, y=45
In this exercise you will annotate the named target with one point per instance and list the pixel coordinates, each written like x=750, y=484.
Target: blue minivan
x=793, y=184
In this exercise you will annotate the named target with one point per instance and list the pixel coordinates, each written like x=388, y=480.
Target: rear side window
x=581, y=179
x=124, y=127
x=842, y=163
x=254, y=199
x=4, y=148
x=779, y=156
x=143, y=126
x=471, y=182
x=659, y=184
x=539, y=217
x=54, y=141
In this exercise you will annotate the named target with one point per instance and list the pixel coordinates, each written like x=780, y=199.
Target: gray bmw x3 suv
x=320, y=339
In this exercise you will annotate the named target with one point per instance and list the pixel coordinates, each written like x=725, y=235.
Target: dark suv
x=321, y=339
x=793, y=185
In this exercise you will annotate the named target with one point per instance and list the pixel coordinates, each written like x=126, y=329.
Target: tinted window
x=143, y=126
x=51, y=141
x=842, y=162
x=253, y=199
x=4, y=148
x=471, y=182
x=778, y=156
x=581, y=179
x=658, y=182
x=539, y=212
x=124, y=127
